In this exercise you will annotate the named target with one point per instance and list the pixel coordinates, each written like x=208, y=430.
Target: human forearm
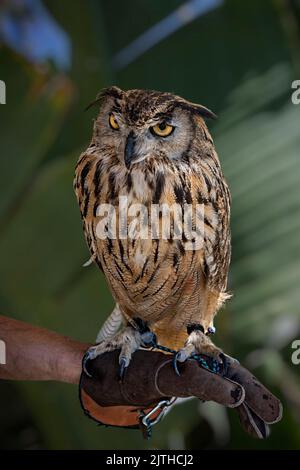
x=34, y=353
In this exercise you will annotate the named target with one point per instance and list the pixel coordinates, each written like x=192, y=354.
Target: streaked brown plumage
x=158, y=281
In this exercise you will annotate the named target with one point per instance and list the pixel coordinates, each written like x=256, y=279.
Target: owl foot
x=199, y=343
x=128, y=341
x=143, y=338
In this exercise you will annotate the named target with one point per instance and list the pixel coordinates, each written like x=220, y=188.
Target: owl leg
x=200, y=343
x=111, y=325
x=127, y=340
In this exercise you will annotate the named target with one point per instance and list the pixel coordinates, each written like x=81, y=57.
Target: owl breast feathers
x=153, y=151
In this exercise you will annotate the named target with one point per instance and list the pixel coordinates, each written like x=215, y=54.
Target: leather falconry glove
x=150, y=385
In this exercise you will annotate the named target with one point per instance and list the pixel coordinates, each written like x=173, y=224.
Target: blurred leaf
x=30, y=122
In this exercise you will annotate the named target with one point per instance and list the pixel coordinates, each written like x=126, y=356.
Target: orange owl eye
x=162, y=130
x=113, y=122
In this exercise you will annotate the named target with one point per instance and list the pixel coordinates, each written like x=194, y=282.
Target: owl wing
x=83, y=187
x=217, y=244
x=209, y=188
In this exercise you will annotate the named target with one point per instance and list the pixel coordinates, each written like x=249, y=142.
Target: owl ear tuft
x=204, y=112
x=112, y=91
x=196, y=109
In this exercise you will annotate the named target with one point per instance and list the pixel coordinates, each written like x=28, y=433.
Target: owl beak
x=129, y=155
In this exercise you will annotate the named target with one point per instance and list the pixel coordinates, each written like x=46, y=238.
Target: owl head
x=140, y=125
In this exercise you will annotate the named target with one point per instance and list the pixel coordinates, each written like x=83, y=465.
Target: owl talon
x=89, y=356
x=175, y=362
x=127, y=340
x=198, y=344
x=122, y=368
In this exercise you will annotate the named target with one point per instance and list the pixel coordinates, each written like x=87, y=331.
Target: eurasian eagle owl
x=152, y=150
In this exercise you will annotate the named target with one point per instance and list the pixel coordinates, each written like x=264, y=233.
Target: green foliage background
x=238, y=60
